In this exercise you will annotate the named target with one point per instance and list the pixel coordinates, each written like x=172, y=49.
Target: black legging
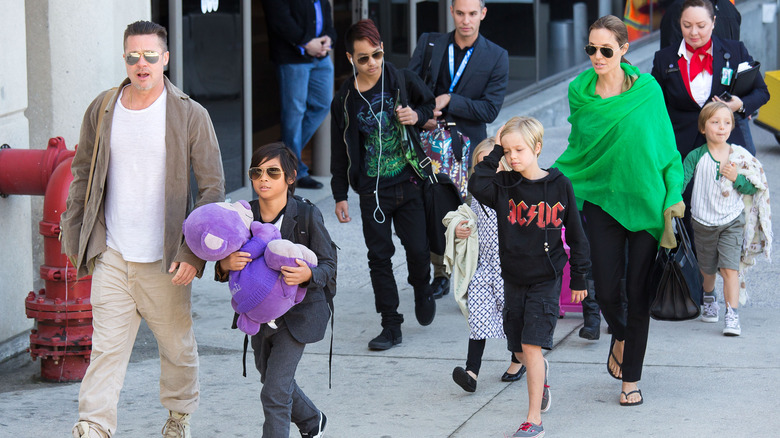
x=608, y=248
x=474, y=358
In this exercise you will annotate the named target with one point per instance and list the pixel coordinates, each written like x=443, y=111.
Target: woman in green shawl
x=623, y=163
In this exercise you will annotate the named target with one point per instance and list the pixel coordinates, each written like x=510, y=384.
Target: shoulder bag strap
x=96, y=144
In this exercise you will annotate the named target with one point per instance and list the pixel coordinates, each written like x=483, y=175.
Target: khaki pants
x=123, y=293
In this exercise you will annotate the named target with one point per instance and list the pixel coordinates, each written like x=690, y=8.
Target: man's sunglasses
x=606, y=51
x=378, y=55
x=257, y=172
x=132, y=58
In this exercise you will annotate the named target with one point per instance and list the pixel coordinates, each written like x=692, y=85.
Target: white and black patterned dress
x=486, y=289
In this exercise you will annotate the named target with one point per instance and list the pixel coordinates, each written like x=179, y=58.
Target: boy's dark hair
x=364, y=29
x=286, y=157
x=147, y=28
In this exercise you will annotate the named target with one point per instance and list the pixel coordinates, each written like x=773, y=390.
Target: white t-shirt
x=135, y=186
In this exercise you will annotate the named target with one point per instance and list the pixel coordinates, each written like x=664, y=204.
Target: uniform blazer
x=479, y=94
x=684, y=111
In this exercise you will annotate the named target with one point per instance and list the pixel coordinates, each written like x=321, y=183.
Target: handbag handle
x=96, y=144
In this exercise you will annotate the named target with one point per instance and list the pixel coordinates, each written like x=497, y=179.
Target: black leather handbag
x=677, y=280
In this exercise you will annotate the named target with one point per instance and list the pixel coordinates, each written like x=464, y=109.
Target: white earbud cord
x=379, y=123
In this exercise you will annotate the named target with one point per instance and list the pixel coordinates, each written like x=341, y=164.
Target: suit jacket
x=291, y=23
x=684, y=111
x=478, y=96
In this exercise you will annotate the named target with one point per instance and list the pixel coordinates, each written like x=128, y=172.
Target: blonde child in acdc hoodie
x=532, y=206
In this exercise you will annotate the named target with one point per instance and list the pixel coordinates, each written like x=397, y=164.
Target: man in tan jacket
x=128, y=234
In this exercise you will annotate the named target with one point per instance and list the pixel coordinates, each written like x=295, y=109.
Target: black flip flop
x=627, y=403
x=612, y=355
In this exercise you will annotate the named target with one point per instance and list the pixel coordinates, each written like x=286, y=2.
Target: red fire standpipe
x=62, y=337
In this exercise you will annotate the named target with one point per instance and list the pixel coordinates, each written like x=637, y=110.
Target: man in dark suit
x=468, y=75
x=300, y=35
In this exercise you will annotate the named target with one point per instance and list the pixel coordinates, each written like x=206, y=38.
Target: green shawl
x=622, y=155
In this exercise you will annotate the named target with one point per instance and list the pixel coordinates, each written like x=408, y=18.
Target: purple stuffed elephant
x=260, y=294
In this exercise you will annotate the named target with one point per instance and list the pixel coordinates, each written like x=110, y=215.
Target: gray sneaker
x=710, y=309
x=732, y=323
x=529, y=430
x=546, y=401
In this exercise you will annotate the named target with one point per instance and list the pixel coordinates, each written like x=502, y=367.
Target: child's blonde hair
x=709, y=110
x=487, y=144
x=530, y=129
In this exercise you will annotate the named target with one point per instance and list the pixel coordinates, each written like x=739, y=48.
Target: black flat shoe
x=513, y=377
x=308, y=182
x=464, y=380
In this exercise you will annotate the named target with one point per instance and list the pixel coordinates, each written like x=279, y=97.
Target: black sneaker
x=440, y=287
x=308, y=182
x=590, y=333
x=387, y=339
x=319, y=431
x=424, y=306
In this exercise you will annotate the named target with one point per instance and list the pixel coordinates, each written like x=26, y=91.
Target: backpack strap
x=305, y=216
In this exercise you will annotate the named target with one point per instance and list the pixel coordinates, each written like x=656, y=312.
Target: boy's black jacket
x=523, y=231
x=345, y=137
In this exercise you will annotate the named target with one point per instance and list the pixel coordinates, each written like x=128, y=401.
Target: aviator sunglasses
x=606, y=51
x=257, y=172
x=378, y=55
x=132, y=58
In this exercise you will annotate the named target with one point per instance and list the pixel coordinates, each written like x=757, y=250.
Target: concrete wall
x=15, y=269
x=57, y=56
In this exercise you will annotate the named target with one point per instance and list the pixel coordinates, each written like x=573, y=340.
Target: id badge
x=725, y=77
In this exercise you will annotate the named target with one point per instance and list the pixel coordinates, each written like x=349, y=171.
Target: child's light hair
x=487, y=144
x=529, y=129
x=709, y=110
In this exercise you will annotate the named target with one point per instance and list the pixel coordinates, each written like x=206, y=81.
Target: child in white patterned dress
x=485, y=294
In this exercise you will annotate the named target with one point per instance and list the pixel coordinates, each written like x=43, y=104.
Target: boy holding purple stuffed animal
x=278, y=350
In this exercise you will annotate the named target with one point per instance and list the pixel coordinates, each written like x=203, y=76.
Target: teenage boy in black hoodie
x=374, y=119
x=531, y=206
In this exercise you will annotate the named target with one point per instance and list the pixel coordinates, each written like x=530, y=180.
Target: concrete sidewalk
x=696, y=382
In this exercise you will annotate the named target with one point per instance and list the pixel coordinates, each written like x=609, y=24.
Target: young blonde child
x=717, y=212
x=485, y=294
x=532, y=204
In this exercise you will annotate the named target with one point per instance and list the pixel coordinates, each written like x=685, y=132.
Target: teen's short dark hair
x=147, y=28
x=286, y=157
x=364, y=29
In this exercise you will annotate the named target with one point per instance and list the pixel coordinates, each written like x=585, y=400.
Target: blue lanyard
x=454, y=78
x=318, y=17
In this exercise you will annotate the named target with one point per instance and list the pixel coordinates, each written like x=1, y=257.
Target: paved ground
x=696, y=382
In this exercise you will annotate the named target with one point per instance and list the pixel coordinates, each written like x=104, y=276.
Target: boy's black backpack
x=304, y=214
x=303, y=239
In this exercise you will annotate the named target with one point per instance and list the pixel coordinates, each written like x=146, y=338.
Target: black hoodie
x=530, y=213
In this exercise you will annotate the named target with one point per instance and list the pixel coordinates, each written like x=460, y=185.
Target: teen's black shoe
x=424, y=306
x=387, y=339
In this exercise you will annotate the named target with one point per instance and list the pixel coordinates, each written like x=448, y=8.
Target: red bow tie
x=700, y=63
